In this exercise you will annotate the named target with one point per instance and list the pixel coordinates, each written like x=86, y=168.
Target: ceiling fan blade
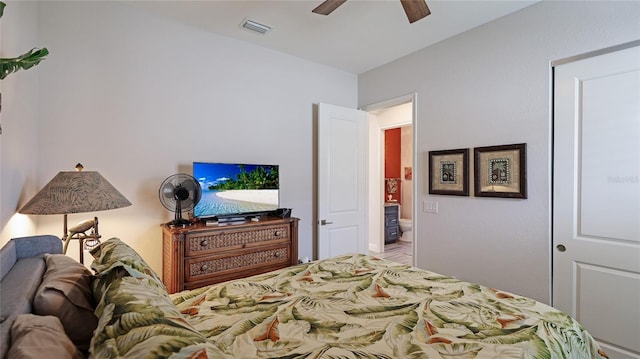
x=328, y=6
x=415, y=9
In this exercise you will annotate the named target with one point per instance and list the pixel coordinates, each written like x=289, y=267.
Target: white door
x=342, y=182
x=596, y=197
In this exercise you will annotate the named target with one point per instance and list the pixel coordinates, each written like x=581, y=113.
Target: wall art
x=500, y=171
x=449, y=172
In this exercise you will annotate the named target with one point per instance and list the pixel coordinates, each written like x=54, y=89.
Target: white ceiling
x=358, y=36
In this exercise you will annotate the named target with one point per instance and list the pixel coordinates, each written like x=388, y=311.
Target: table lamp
x=77, y=192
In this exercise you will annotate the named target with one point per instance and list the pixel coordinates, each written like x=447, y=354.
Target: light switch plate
x=430, y=207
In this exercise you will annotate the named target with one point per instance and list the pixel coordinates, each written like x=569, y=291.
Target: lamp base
x=78, y=232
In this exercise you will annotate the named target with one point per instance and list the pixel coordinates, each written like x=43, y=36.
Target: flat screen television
x=235, y=189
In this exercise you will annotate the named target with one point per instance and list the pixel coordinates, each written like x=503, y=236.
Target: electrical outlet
x=430, y=207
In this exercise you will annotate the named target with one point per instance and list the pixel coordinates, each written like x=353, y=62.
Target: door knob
x=323, y=222
x=561, y=248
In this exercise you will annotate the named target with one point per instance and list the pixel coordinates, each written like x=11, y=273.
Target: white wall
x=490, y=86
x=138, y=98
x=406, y=160
x=18, y=147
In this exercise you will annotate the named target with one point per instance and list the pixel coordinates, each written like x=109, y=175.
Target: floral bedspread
x=358, y=306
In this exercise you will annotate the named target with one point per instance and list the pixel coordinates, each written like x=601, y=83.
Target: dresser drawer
x=202, y=267
x=392, y=233
x=391, y=221
x=218, y=241
x=393, y=210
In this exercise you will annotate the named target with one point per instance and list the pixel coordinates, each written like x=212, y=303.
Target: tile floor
x=398, y=251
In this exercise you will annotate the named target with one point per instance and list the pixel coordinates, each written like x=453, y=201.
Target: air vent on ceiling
x=255, y=26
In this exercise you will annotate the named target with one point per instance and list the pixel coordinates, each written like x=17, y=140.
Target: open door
x=596, y=196
x=342, y=181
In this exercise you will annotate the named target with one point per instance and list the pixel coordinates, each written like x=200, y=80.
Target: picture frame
x=449, y=172
x=408, y=173
x=501, y=171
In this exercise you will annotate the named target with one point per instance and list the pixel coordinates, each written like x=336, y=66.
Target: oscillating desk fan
x=179, y=192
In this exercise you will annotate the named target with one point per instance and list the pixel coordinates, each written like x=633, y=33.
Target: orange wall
x=392, y=147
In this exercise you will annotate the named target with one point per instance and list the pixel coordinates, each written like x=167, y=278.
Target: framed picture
x=408, y=173
x=449, y=172
x=501, y=171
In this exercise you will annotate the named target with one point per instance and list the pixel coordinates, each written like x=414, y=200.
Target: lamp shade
x=75, y=192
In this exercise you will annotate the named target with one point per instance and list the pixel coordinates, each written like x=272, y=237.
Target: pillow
x=114, y=252
x=115, y=259
x=35, y=336
x=139, y=320
x=65, y=292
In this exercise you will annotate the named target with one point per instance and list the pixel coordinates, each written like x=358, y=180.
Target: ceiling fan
x=415, y=9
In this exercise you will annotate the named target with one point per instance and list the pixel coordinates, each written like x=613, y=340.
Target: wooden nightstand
x=201, y=255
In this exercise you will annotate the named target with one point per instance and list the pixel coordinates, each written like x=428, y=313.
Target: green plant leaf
x=22, y=62
x=2, y=5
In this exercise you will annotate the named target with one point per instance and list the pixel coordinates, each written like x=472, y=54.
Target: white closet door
x=596, y=197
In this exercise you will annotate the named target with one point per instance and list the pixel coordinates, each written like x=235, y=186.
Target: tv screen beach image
x=236, y=188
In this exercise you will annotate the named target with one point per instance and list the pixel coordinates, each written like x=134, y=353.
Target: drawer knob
x=277, y=254
x=277, y=233
x=204, y=267
x=204, y=243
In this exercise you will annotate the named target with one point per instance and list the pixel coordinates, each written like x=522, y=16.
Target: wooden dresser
x=200, y=254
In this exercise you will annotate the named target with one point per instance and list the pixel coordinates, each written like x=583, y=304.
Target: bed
x=352, y=306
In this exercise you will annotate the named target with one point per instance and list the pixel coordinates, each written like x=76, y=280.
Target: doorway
x=395, y=115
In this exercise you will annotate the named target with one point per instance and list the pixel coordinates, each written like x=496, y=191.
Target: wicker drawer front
x=200, y=267
x=201, y=243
